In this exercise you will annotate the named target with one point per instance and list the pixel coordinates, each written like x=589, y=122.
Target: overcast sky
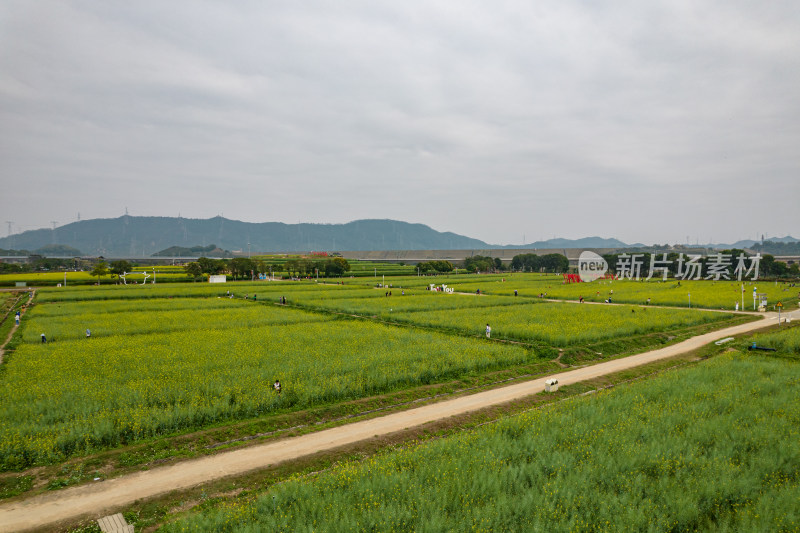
x=645, y=121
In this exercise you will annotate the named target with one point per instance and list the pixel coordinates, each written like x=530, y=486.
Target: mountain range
x=130, y=236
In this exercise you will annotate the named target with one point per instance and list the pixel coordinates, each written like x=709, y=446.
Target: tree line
x=244, y=267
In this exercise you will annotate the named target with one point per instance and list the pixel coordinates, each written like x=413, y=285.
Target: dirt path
x=13, y=328
x=3, y=346
x=112, y=495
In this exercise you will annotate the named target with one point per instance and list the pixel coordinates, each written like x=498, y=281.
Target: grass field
x=712, y=448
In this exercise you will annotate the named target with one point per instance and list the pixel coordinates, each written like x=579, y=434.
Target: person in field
x=488, y=331
x=277, y=386
x=44, y=339
x=88, y=333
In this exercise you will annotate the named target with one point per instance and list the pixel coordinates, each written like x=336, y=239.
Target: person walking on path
x=737, y=306
x=488, y=331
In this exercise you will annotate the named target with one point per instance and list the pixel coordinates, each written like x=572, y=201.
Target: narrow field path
x=104, y=497
x=13, y=328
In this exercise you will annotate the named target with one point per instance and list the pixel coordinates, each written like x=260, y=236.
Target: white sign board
x=217, y=279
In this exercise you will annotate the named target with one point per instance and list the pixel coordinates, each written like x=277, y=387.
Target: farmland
x=158, y=317
x=388, y=307
x=713, y=447
x=170, y=361
x=560, y=324
x=122, y=388
x=705, y=294
x=168, y=358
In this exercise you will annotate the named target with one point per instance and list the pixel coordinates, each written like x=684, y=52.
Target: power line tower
x=10, y=223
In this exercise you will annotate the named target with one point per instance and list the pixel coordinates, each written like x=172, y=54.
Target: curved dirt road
x=112, y=495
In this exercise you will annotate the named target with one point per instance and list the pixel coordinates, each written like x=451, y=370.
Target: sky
x=507, y=121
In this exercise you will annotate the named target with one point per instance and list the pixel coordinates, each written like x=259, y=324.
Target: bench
x=114, y=524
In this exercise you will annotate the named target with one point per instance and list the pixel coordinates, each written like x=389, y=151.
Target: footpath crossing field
x=715, y=447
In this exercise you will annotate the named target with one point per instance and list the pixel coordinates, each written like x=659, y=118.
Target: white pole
x=154, y=275
x=65, y=278
x=742, y=296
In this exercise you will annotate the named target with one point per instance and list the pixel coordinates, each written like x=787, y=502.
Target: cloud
x=641, y=121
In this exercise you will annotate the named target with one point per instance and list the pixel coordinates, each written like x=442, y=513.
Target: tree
x=241, y=267
x=212, y=266
x=193, y=269
x=119, y=268
x=548, y=263
x=435, y=266
x=336, y=266
x=478, y=263
x=100, y=269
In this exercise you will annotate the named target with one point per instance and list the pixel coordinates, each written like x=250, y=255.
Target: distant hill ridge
x=143, y=236
x=132, y=236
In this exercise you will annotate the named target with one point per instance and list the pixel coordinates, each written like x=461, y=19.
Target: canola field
x=263, y=289
x=711, y=448
x=170, y=358
x=75, y=396
x=704, y=294
x=158, y=317
x=387, y=307
x=561, y=323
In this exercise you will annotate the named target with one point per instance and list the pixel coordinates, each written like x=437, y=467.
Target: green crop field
x=172, y=290
x=82, y=278
x=706, y=294
x=561, y=324
x=389, y=307
x=711, y=448
x=171, y=358
x=74, y=396
x=157, y=317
